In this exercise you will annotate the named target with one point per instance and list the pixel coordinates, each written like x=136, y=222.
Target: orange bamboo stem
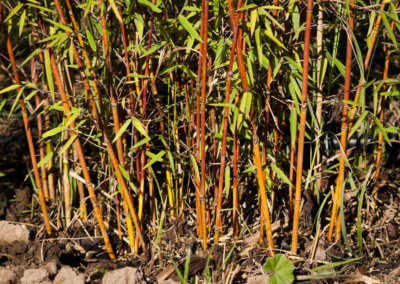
x=300, y=153
x=343, y=138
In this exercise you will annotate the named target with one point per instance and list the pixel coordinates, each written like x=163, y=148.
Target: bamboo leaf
x=253, y=21
x=9, y=88
x=53, y=131
x=382, y=130
x=358, y=123
x=115, y=10
x=139, y=127
x=67, y=145
x=49, y=73
x=61, y=26
x=281, y=174
x=189, y=28
x=388, y=28
x=45, y=159
x=140, y=143
x=227, y=180
x=16, y=101
x=122, y=129
x=293, y=125
x=153, y=7
x=13, y=12
x=277, y=41
x=154, y=158
x=153, y=48
x=21, y=23
x=90, y=39
x=258, y=46
x=195, y=166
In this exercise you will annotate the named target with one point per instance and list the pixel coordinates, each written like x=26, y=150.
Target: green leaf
x=153, y=48
x=189, y=28
x=67, y=145
x=122, y=130
x=195, y=166
x=90, y=39
x=282, y=269
x=358, y=123
x=45, y=159
x=388, y=28
x=21, y=23
x=61, y=26
x=281, y=174
x=13, y=12
x=140, y=143
x=53, y=131
x=49, y=76
x=277, y=41
x=253, y=21
x=150, y=5
x=293, y=125
x=139, y=127
x=9, y=88
x=154, y=158
x=383, y=131
x=227, y=180
x=16, y=101
x=115, y=10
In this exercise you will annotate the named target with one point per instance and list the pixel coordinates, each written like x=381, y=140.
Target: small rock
x=126, y=275
x=68, y=275
x=51, y=267
x=6, y=276
x=10, y=233
x=35, y=276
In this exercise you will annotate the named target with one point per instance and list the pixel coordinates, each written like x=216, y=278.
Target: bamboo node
x=256, y=140
x=114, y=105
x=230, y=75
x=297, y=201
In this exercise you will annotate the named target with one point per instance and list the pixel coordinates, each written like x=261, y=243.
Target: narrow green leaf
x=358, y=123
x=122, y=129
x=21, y=23
x=189, y=28
x=45, y=159
x=90, y=39
x=227, y=180
x=293, y=125
x=281, y=174
x=16, y=101
x=49, y=73
x=139, y=127
x=382, y=130
x=195, y=166
x=13, y=12
x=150, y=5
x=388, y=28
x=253, y=21
x=115, y=10
x=9, y=88
x=153, y=49
x=53, y=131
x=61, y=26
x=140, y=143
x=154, y=158
x=67, y=145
